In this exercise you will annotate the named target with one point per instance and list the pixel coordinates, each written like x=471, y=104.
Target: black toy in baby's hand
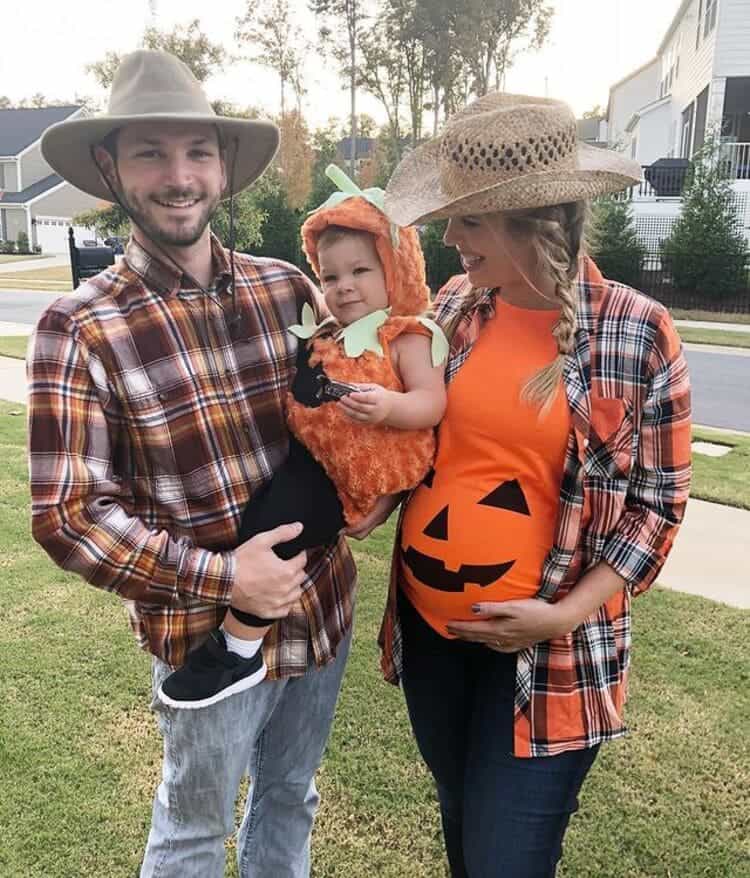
x=332, y=390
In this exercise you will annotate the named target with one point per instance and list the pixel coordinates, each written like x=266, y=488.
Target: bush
x=613, y=241
x=706, y=250
x=441, y=262
x=37, y=248
x=7, y=247
x=22, y=243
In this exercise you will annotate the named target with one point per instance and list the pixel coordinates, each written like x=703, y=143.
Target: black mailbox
x=87, y=261
x=667, y=176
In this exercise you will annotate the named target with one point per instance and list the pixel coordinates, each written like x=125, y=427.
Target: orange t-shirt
x=481, y=525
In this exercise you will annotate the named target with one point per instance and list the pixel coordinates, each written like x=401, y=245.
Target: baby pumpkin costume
x=365, y=461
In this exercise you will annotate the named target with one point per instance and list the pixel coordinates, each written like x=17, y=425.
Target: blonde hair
x=555, y=233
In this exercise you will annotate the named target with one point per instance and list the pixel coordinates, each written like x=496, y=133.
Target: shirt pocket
x=608, y=447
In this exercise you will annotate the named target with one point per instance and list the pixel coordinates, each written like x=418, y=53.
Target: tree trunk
x=353, y=87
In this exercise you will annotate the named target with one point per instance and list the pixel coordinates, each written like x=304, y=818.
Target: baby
x=368, y=391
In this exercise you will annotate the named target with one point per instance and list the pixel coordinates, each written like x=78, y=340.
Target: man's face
x=171, y=176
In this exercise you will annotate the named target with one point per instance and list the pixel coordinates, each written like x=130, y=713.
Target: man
x=156, y=413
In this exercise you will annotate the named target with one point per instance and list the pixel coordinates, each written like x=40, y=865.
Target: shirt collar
x=160, y=275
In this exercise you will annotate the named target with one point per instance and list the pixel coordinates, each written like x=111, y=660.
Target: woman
x=561, y=478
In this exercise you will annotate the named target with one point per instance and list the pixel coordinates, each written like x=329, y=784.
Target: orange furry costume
x=365, y=461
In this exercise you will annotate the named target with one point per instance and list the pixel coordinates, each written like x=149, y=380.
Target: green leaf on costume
x=308, y=327
x=362, y=335
x=440, y=347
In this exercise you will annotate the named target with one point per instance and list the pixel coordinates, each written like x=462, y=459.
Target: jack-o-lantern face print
x=427, y=560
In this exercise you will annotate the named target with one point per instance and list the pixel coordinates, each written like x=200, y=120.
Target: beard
x=172, y=233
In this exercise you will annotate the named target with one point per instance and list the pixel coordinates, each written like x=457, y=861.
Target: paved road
x=721, y=389
x=721, y=381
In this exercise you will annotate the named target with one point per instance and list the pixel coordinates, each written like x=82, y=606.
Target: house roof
x=364, y=147
x=20, y=128
x=32, y=191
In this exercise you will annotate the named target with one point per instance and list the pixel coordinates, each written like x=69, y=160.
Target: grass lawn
x=14, y=346
x=19, y=257
x=712, y=316
x=54, y=278
x=722, y=479
x=80, y=755
x=736, y=339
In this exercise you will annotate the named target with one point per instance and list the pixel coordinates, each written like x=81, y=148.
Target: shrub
x=7, y=247
x=613, y=241
x=22, y=243
x=706, y=250
x=441, y=262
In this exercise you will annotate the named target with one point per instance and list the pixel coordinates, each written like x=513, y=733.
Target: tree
x=441, y=262
x=324, y=147
x=382, y=72
x=491, y=31
x=5, y=102
x=706, y=250
x=596, y=112
x=613, y=241
x=346, y=18
x=279, y=43
x=187, y=42
x=294, y=161
x=248, y=220
x=280, y=235
x=106, y=221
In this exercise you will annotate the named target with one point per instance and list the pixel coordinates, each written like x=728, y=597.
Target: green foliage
x=106, y=221
x=280, y=236
x=324, y=144
x=248, y=220
x=442, y=262
x=22, y=243
x=706, y=250
x=7, y=247
x=613, y=241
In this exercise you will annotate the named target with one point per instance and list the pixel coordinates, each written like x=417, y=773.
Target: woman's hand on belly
x=511, y=626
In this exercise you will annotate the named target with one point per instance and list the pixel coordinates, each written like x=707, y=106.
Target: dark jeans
x=503, y=817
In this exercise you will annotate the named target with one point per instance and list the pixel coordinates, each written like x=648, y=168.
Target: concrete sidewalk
x=706, y=324
x=709, y=554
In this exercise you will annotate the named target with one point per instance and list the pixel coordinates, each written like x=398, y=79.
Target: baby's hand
x=371, y=404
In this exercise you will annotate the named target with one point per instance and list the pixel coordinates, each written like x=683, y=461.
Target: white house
x=33, y=199
x=699, y=80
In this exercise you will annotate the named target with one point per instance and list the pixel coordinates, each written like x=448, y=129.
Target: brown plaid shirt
x=623, y=495
x=151, y=425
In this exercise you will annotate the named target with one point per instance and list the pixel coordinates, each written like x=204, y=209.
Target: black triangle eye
x=438, y=527
x=507, y=496
x=429, y=478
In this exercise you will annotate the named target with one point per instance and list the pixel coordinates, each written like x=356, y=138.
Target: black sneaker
x=210, y=674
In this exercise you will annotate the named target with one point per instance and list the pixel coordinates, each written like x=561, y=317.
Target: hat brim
x=66, y=147
x=415, y=195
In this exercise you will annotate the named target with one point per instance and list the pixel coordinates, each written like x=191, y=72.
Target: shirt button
x=585, y=443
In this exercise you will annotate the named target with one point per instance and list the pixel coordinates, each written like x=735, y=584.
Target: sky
x=592, y=44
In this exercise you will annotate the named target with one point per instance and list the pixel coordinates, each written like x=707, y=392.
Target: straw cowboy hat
x=503, y=152
x=153, y=86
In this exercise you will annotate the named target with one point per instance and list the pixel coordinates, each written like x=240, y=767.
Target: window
x=710, y=19
x=687, y=132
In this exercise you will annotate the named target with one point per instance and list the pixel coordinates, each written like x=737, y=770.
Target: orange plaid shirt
x=622, y=498
x=151, y=425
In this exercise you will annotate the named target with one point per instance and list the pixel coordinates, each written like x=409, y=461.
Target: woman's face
x=490, y=254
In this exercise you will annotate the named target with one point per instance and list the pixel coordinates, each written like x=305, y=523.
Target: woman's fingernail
x=475, y=608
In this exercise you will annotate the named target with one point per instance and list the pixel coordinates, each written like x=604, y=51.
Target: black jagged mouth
x=432, y=572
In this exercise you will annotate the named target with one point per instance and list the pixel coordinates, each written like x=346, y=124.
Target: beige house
x=33, y=199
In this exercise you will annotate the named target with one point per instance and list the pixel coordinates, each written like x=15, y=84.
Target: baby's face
x=352, y=278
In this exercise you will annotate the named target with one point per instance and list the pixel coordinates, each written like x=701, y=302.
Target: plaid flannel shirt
x=624, y=488
x=151, y=425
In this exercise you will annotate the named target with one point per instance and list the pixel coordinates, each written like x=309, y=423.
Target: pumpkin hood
x=403, y=265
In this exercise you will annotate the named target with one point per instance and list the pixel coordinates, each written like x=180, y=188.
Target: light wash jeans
x=275, y=732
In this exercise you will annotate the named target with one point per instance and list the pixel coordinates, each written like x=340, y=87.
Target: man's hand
x=371, y=404
x=381, y=512
x=264, y=584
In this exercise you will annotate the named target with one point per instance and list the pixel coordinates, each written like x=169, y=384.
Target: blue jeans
x=276, y=733
x=503, y=816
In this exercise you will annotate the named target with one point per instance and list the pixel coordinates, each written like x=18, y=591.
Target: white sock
x=244, y=648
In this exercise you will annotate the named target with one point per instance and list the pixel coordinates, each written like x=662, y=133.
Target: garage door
x=52, y=234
